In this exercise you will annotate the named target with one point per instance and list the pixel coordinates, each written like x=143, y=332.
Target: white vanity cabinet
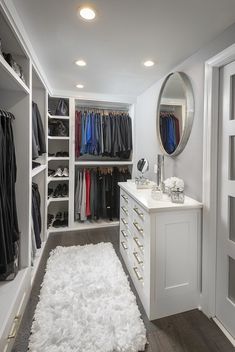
x=160, y=244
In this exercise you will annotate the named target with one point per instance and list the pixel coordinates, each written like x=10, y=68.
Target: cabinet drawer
x=124, y=210
x=15, y=325
x=138, y=243
x=124, y=222
x=138, y=258
x=124, y=197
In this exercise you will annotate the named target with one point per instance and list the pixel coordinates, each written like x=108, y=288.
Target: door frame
x=210, y=163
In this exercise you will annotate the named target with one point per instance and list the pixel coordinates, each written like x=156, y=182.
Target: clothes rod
x=92, y=107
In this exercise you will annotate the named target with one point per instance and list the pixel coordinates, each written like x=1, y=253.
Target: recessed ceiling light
x=87, y=13
x=80, y=86
x=80, y=63
x=149, y=63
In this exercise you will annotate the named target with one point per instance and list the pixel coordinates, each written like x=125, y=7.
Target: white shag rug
x=86, y=304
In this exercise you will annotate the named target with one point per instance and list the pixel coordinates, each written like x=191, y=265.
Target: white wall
x=188, y=165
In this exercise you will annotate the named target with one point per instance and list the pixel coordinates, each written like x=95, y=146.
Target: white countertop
x=143, y=197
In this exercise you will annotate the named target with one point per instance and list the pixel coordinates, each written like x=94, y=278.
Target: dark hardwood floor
x=186, y=332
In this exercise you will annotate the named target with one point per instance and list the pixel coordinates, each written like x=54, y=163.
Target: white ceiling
x=124, y=34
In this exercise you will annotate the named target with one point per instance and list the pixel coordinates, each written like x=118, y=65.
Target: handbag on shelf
x=57, y=128
x=62, y=108
x=17, y=68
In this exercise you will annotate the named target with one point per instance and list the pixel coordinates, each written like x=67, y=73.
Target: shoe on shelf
x=64, y=222
x=58, y=216
x=50, y=219
x=65, y=172
x=58, y=173
x=65, y=154
x=59, y=154
x=50, y=192
x=51, y=154
x=65, y=190
x=50, y=172
x=58, y=191
x=57, y=223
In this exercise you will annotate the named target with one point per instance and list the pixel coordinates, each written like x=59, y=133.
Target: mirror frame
x=189, y=113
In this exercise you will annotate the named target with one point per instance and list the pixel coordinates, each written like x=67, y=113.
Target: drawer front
x=124, y=197
x=9, y=338
x=139, y=213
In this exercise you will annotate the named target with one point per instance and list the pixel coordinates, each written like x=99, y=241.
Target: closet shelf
x=101, y=163
x=52, y=158
x=59, y=229
x=58, y=138
x=36, y=261
x=61, y=199
x=9, y=80
x=49, y=179
x=38, y=169
x=58, y=117
x=86, y=226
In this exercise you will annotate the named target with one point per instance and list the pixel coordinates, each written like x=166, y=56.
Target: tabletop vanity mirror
x=175, y=113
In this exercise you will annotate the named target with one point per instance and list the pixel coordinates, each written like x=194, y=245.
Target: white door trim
x=209, y=193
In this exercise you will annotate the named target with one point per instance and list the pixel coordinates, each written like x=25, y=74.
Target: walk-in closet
x=116, y=176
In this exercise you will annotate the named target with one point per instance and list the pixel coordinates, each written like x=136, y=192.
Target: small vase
x=177, y=196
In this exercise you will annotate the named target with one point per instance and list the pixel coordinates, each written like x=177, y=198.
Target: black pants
x=9, y=230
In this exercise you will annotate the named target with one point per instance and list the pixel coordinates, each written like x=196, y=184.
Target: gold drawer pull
x=124, y=221
x=137, y=226
x=125, y=210
x=139, y=277
x=138, y=212
x=125, y=197
x=124, y=234
x=138, y=259
x=15, y=329
x=138, y=242
x=124, y=245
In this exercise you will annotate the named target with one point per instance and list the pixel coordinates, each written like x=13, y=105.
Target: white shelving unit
x=62, y=199
x=58, y=117
x=51, y=178
x=58, y=138
x=56, y=158
x=38, y=170
x=9, y=80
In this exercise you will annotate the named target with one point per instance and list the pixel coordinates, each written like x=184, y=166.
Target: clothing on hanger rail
x=38, y=134
x=170, y=131
x=9, y=229
x=101, y=134
x=97, y=192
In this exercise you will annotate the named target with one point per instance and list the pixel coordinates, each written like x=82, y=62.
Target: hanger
x=6, y=114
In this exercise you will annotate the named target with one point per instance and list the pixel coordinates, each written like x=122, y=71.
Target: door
x=225, y=280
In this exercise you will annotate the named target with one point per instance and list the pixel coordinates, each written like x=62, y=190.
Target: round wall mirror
x=175, y=113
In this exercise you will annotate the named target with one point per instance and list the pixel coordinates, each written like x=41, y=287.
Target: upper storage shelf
x=14, y=61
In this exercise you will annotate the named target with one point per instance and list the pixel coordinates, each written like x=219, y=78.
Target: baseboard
x=225, y=332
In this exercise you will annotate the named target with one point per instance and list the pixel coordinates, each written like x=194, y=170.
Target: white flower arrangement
x=174, y=183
